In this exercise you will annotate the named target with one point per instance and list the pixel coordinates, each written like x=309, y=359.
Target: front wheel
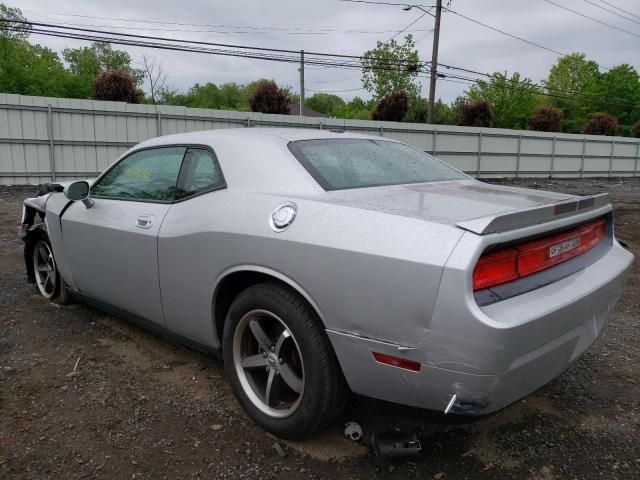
x=48, y=280
x=280, y=363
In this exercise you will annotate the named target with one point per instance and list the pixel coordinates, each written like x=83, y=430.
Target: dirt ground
x=84, y=395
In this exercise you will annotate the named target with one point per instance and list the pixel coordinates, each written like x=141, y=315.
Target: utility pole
x=434, y=62
x=301, y=81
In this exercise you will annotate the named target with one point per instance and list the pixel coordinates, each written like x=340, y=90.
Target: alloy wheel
x=268, y=363
x=44, y=268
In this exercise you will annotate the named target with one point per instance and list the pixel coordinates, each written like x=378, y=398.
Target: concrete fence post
x=434, y=147
x=613, y=147
x=52, y=153
x=158, y=123
x=479, y=164
x=553, y=157
x=584, y=151
x=518, y=155
x=433, y=141
x=635, y=166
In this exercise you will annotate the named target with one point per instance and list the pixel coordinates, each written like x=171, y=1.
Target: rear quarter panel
x=57, y=203
x=367, y=273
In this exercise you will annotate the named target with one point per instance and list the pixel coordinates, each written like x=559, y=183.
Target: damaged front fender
x=32, y=208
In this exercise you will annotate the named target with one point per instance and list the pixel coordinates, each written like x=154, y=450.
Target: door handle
x=144, y=221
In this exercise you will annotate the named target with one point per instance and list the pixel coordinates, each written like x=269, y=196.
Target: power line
x=300, y=30
x=505, y=33
x=409, y=25
x=333, y=81
x=461, y=82
x=386, y=3
x=611, y=11
x=355, y=59
x=423, y=37
x=257, y=54
x=336, y=91
x=241, y=32
x=592, y=19
x=621, y=9
x=561, y=54
x=495, y=29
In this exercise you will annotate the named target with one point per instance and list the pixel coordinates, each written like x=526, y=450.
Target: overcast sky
x=304, y=24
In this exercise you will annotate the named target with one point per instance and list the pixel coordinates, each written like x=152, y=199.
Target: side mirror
x=79, y=191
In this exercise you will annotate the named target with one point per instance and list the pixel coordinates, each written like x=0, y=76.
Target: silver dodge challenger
x=318, y=263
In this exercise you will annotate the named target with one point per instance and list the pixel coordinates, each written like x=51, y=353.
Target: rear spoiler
x=533, y=216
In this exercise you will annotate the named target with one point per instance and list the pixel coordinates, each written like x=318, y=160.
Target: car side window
x=150, y=174
x=200, y=173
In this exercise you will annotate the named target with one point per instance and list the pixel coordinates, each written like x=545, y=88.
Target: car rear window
x=338, y=163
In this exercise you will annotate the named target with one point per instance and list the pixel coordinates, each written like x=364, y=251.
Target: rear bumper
x=497, y=354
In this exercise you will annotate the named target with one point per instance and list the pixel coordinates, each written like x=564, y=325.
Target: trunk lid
x=469, y=204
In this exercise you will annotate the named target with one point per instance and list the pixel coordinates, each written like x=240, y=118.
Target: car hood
x=445, y=202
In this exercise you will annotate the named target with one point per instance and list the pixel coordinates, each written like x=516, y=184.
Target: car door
x=187, y=246
x=112, y=246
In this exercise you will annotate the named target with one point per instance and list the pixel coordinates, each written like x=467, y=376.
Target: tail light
x=508, y=264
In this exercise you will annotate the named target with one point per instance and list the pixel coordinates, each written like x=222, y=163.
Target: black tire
x=59, y=292
x=325, y=392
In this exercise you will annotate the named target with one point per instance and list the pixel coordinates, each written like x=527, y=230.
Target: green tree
x=26, y=69
x=86, y=63
x=572, y=76
x=443, y=113
x=391, y=66
x=227, y=96
x=325, y=103
x=417, y=111
x=12, y=26
x=513, y=99
x=617, y=92
x=234, y=96
x=356, y=108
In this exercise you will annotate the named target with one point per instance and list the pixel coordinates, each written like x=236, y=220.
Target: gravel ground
x=138, y=406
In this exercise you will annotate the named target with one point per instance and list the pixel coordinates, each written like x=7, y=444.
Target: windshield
x=338, y=164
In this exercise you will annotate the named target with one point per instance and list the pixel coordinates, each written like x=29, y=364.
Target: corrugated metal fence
x=44, y=139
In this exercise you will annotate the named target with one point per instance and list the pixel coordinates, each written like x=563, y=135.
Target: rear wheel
x=48, y=280
x=280, y=363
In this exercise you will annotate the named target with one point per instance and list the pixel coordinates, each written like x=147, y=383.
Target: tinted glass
x=145, y=175
x=354, y=163
x=200, y=173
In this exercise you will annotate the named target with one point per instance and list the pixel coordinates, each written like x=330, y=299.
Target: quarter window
x=150, y=174
x=200, y=173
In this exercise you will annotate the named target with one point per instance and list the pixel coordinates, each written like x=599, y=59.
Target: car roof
x=267, y=134
x=258, y=159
